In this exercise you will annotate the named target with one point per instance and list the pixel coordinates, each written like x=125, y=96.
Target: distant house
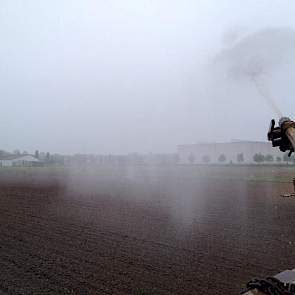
x=22, y=160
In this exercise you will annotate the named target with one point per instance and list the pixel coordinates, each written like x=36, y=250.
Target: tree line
x=257, y=158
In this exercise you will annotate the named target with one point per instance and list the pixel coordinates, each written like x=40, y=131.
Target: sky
x=116, y=77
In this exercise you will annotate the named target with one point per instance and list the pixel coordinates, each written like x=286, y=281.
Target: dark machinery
x=282, y=136
x=280, y=284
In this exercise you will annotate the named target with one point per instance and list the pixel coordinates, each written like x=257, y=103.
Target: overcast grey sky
x=129, y=76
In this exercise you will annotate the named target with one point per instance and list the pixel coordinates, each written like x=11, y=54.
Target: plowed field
x=174, y=231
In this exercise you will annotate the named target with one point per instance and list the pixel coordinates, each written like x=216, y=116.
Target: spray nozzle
x=282, y=136
x=284, y=120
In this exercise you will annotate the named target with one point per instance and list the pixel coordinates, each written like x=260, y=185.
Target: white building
x=23, y=160
x=232, y=152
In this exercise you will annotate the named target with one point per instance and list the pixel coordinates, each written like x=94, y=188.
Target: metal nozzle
x=283, y=136
x=284, y=120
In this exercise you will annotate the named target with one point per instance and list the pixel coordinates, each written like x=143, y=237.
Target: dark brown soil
x=165, y=235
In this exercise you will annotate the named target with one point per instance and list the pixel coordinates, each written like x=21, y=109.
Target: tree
x=258, y=158
x=279, y=159
x=47, y=157
x=206, y=159
x=3, y=153
x=222, y=158
x=17, y=152
x=37, y=154
x=191, y=158
x=286, y=157
x=240, y=157
x=291, y=159
x=268, y=158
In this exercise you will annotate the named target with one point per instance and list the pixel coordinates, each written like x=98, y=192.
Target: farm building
x=23, y=160
x=242, y=152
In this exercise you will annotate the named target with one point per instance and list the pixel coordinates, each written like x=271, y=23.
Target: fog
x=102, y=93
x=136, y=76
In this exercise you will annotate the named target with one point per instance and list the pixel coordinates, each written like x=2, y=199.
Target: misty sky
x=131, y=76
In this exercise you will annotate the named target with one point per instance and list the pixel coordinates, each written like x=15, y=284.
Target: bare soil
x=166, y=233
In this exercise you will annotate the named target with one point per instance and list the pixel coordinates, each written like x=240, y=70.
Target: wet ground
x=141, y=231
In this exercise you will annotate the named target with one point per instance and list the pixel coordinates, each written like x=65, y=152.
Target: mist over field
x=133, y=155
x=113, y=77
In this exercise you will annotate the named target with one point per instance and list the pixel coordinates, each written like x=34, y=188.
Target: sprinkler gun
x=282, y=136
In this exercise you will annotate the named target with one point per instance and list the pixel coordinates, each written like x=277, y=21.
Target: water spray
x=258, y=55
x=255, y=70
x=262, y=90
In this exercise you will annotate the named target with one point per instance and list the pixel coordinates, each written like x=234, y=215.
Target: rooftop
x=15, y=157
